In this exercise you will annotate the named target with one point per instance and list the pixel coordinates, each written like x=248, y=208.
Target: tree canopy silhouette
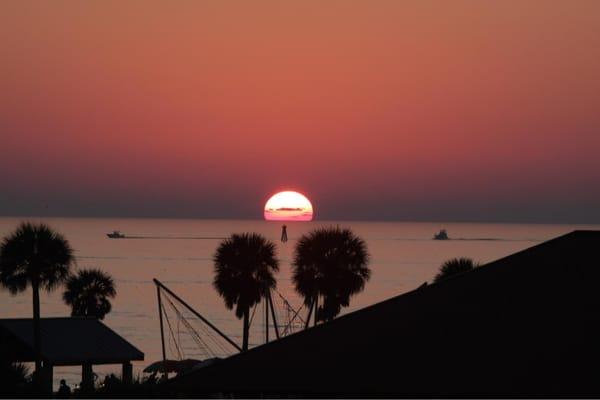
x=455, y=266
x=244, y=271
x=331, y=263
x=14, y=380
x=35, y=256
x=88, y=293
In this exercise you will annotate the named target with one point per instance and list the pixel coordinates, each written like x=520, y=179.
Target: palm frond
x=244, y=266
x=455, y=266
x=332, y=263
x=34, y=253
x=88, y=293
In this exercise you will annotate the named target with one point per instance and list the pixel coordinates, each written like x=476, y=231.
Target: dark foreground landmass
x=527, y=325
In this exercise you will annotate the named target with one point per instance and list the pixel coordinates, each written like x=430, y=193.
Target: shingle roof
x=66, y=341
x=525, y=324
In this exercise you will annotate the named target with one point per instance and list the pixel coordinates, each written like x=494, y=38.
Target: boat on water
x=441, y=235
x=115, y=235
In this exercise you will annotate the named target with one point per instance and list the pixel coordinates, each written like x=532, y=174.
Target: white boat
x=115, y=235
x=441, y=235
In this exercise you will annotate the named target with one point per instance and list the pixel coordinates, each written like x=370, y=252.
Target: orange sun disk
x=288, y=206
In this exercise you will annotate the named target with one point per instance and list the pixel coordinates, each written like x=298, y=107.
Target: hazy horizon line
x=315, y=220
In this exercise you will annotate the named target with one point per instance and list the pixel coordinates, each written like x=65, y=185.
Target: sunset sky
x=405, y=110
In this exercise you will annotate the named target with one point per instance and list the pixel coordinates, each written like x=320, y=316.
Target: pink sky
x=413, y=110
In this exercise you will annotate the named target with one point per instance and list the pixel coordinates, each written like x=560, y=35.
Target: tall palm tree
x=244, y=268
x=88, y=293
x=454, y=266
x=37, y=256
x=331, y=263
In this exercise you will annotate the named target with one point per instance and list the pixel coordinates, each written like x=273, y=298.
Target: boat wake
x=169, y=237
x=474, y=239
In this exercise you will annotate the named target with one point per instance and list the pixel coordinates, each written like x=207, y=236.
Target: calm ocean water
x=403, y=257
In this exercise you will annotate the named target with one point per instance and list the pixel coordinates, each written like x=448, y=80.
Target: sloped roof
x=525, y=324
x=66, y=341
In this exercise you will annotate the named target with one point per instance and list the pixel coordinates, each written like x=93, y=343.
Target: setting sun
x=288, y=206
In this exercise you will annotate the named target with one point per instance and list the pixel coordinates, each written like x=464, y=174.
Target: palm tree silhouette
x=88, y=293
x=244, y=268
x=331, y=263
x=36, y=256
x=13, y=379
x=455, y=266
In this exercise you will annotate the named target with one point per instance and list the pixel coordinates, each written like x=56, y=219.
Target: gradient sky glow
x=409, y=110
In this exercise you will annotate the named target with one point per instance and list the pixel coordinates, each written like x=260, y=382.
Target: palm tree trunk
x=310, y=311
x=246, y=329
x=316, y=308
x=266, y=319
x=37, y=344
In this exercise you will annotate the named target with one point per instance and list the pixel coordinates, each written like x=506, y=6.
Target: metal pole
x=309, y=314
x=162, y=333
x=273, y=314
x=197, y=314
x=266, y=320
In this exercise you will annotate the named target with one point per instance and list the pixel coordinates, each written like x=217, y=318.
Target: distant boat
x=115, y=235
x=441, y=235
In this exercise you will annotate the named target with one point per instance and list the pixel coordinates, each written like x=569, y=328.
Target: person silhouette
x=152, y=378
x=64, y=391
x=284, y=234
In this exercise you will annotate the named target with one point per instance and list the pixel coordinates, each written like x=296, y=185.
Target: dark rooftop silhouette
x=67, y=341
x=527, y=324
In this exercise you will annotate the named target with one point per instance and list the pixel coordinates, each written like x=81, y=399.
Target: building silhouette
x=527, y=324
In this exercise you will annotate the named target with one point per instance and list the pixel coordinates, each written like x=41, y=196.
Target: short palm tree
x=88, y=293
x=455, y=266
x=244, y=272
x=14, y=378
x=331, y=263
x=38, y=257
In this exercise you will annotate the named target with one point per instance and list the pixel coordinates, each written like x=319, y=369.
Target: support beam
x=47, y=378
x=160, y=315
x=87, y=378
x=288, y=326
x=273, y=314
x=197, y=314
x=310, y=310
x=127, y=374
